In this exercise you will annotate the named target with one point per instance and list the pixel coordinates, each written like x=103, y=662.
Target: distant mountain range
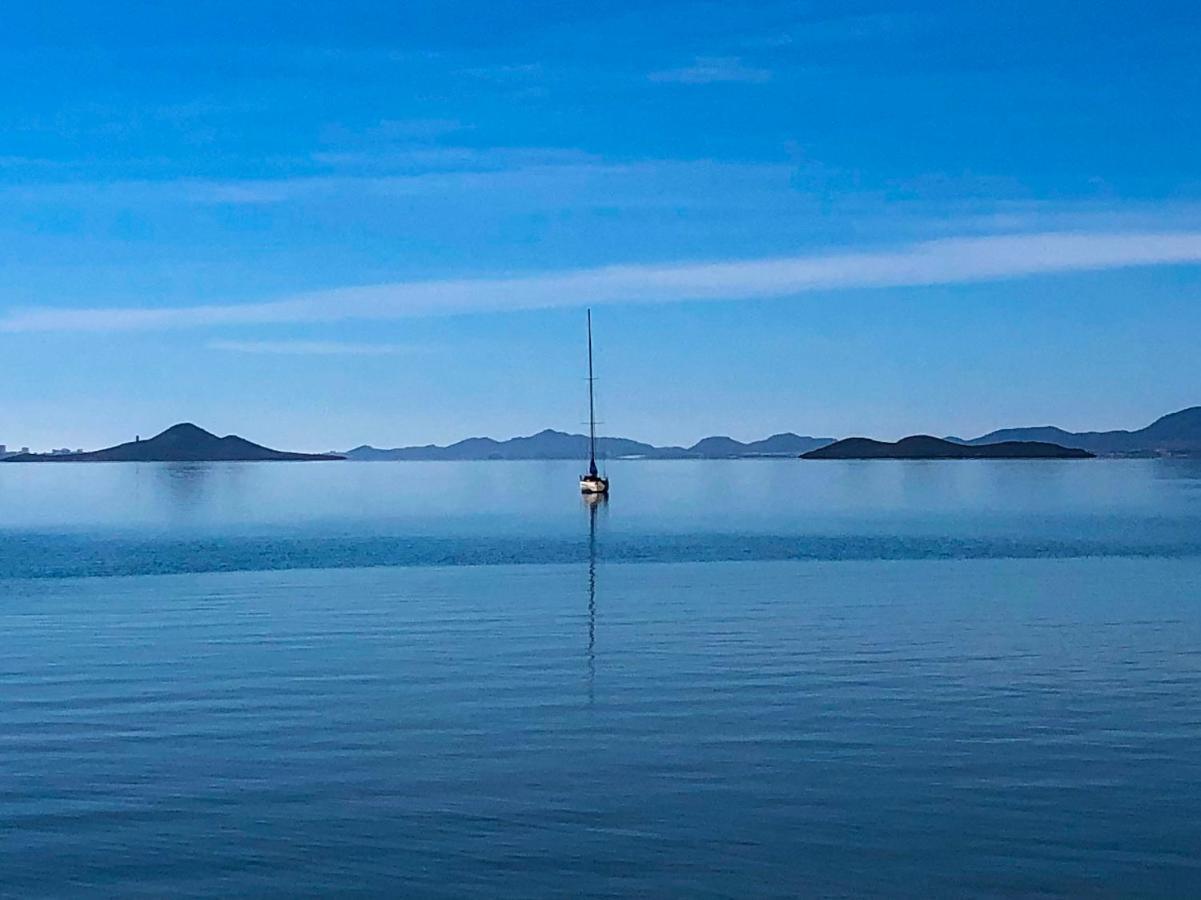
x=1175, y=434
x=1178, y=433
x=925, y=447
x=550, y=444
x=179, y=443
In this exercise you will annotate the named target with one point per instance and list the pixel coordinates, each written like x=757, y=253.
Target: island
x=923, y=446
x=179, y=443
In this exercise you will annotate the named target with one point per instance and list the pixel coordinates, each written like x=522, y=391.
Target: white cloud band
x=949, y=261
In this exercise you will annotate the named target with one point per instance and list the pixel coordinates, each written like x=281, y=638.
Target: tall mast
x=591, y=406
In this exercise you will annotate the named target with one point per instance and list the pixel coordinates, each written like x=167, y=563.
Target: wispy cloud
x=396, y=172
x=310, y=348
x=948, y=261
x=838, y=29
x=489, y=183
x=714, y=70
x=392, y=130
x=410, y=160
x=504, y=72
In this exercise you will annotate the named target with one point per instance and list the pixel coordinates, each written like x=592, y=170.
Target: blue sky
x=324, y=224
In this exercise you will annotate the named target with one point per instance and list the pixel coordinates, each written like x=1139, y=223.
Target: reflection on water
x=186, y=485
x=594, y=503
x=783, y=496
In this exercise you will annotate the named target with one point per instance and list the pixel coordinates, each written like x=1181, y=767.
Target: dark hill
x=179, y=443
x=1179, y=432
x=925, y=447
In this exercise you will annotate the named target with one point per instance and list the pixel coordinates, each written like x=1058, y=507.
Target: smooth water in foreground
x=767, y=678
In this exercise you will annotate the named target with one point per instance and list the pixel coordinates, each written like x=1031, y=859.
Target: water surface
x=127, y=519
x=736, y=678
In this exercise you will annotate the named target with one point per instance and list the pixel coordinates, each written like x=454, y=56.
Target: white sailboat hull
x=594, y=484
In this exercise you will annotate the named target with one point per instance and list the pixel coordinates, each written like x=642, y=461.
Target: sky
x=323, y=224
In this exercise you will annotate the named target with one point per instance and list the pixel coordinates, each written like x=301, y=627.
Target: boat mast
x=591, y=406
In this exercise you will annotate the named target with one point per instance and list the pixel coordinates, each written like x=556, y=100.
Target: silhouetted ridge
x=550, y=444
x=1178, y=432
x=923, y=446
x=180, y=443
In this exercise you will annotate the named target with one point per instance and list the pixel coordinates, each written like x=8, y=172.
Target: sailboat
x=593, y=482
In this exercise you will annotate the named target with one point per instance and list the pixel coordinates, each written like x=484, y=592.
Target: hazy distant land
x=925, y=447
x=1177, y=434
x=550, y=444
x=179, y=443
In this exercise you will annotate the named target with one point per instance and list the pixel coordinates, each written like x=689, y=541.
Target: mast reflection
x=594, y=502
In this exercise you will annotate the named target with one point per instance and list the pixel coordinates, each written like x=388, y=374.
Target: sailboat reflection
x=594, y=502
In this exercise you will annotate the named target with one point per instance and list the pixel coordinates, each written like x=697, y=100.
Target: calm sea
x=759, y=678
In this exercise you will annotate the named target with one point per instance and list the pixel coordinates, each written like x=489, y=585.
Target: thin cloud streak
x=309, y=348
x=948, y=261
x=714, y=70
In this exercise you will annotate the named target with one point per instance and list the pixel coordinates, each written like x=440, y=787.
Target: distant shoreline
x=925, y=447
x=1176, y=434
x=179, y=443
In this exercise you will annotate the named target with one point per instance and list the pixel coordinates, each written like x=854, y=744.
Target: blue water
x=765, y=678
